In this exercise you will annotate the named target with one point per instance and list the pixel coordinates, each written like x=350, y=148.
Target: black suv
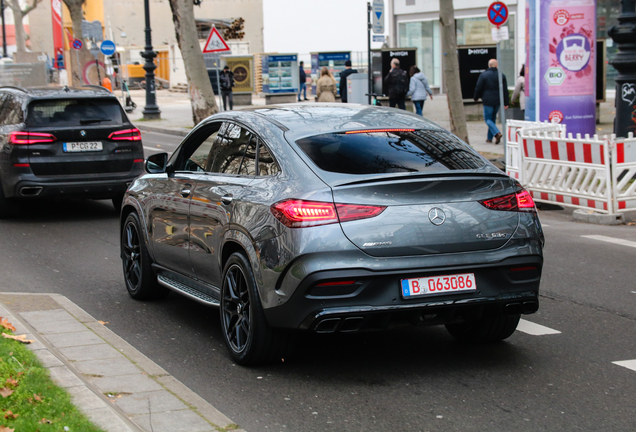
x=65, y=142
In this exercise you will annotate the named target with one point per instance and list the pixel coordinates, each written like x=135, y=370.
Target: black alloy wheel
x=141, y=281
x=249, y=338
x=485, y=330
x=236, y=309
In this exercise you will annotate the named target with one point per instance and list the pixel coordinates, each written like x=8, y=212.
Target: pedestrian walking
x=226, y=79
x=343, y=80
x=487, y=89
x=519, y=95
x=326, y=86
x=302, y=78
x=418, y=89
x=396, y=85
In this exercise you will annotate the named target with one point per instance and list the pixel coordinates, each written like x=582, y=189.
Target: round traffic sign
x=77, y=44
x=108, y=47
x=497, y=13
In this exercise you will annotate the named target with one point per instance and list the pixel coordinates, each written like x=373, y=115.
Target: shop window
x=424, y=35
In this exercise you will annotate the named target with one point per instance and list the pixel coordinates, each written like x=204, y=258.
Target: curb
x=68, y=340
x=178, y=132
x=590, y=216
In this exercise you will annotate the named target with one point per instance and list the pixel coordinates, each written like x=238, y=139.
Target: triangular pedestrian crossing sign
x=215, y=42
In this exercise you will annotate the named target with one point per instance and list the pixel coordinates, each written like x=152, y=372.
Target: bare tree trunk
x=450, y=65
x=20, y=35
x=77, y=15
x=201, y=93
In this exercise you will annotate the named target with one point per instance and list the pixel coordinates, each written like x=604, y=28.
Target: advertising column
x=562, y=40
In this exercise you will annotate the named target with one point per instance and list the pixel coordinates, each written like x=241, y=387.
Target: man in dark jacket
x=396, y=85
x=227, y=82
x=488, y=90
x=302, y=78
x=343, y=80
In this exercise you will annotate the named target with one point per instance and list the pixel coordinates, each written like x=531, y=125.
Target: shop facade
x=415, y=23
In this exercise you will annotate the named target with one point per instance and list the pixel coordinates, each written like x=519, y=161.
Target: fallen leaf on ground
x=19, y=338
x=103, y=322
x=47, y=421
x=6, y=429
x=12, y=382
x=37, y=397
x=5, y=392
x=9, y=415
x=6, y=324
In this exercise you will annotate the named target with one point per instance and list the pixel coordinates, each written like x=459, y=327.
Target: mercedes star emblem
x=436, y=216
x=83, y=133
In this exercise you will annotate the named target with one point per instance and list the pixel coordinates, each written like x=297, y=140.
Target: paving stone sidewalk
x=116, y=386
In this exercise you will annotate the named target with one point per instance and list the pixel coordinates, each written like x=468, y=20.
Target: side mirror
x=157, y=163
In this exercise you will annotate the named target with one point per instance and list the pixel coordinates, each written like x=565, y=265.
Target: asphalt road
x=409, y=379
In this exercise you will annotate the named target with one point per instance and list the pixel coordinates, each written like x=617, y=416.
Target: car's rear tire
x=141, y=281
x=117, y=200
x=8, y=207
x=486, y=329
x=248, y=337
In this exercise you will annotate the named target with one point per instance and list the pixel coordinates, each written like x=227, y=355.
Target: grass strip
x=29, y=400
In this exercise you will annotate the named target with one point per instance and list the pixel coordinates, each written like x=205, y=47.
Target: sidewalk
x=176, y=118
x=116, y=386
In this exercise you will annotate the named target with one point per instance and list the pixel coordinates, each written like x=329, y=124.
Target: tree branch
x=30, y=7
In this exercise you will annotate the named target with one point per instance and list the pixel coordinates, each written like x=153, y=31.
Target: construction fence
x=589, y=173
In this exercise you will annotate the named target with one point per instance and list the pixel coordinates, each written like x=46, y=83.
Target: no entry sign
x=497, y=13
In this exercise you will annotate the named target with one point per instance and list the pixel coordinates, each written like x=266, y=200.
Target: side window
x=197, y=154
x=267, y=166
x=230, y=149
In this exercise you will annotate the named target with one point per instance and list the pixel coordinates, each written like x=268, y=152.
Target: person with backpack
x=418, y=89
x=226, y=79
x=396, y=85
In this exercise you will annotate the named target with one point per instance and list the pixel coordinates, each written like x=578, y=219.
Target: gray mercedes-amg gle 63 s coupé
x=332, y=218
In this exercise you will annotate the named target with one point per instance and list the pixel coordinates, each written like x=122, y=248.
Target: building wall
x=128, y=16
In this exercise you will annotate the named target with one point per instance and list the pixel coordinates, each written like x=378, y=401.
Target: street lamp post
x=624, y=62
x=4, y=31
x=151, y=110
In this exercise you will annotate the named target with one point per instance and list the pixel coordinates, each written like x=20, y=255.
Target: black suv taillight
x=126, y=135
x=24, y=138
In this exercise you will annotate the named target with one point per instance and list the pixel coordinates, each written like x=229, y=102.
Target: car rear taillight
x=520, y=201
x=298, y=213
x=22, y=138
x=126, y=135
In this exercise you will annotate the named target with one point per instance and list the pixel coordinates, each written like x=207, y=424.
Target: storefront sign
x=472, y=62
x=242, y=68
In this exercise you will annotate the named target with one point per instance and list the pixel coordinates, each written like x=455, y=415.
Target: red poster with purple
x=572, y=45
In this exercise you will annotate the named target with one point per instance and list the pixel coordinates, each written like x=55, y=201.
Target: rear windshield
x=390, y=152
x=74, y=112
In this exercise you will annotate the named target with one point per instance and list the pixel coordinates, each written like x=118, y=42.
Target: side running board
x=187, y=291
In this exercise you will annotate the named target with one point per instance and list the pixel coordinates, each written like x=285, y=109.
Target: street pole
x=369, y=73
x=151, y=110
x=624, y=62
x=501, y=102
x=217, y=60
x=4, y=32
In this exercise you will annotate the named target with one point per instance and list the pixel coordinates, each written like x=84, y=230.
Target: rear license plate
x=70, y=147
x=438, y=285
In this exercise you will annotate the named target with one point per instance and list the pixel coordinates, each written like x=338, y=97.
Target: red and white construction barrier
x=623, y=173
x=582, y=172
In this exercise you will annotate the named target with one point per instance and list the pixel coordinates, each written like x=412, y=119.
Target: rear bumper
x=96, y=189
x=375, y=300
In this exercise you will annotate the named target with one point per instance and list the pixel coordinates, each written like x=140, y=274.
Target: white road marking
x=611, y=240
x=629, y=364
x=152, y=148
x=535, y=329
x=545, y=225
